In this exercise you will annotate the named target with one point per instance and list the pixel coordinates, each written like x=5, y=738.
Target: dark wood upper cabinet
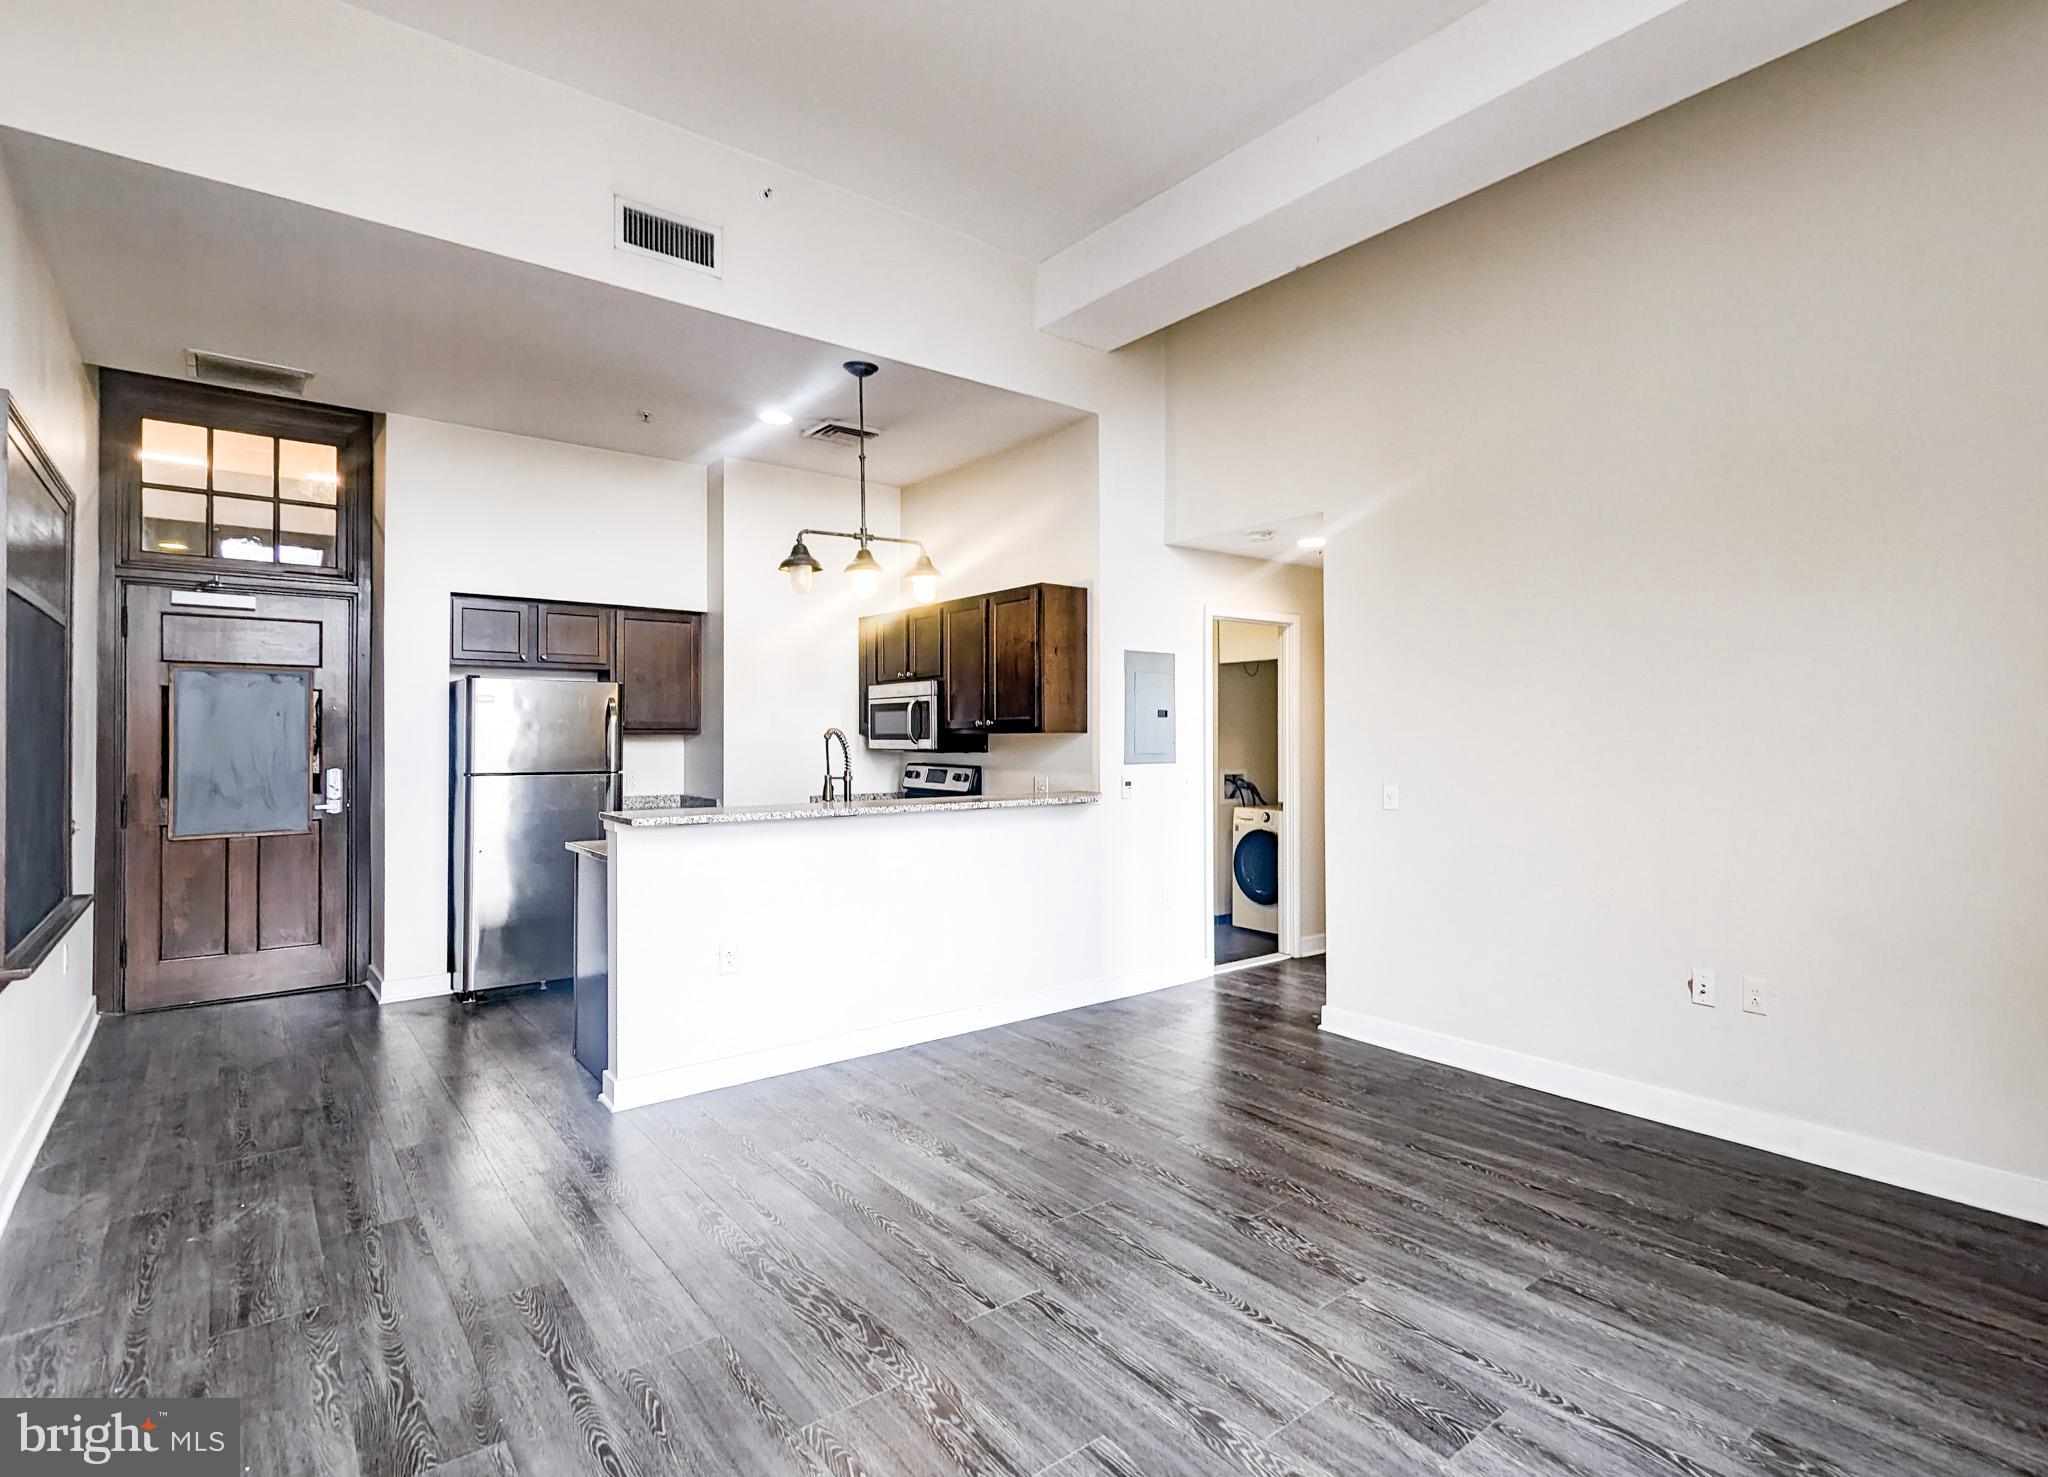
x=902, y=645
x=654, y=655
x=923, y=656
x=963, y=651
x=575, y=635
x=1015, y=661
x=490, y=632
x=1062, y=659
x=892, y=647
x=658, y=671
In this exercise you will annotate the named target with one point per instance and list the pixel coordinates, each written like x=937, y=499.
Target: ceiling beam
x=1502, y=88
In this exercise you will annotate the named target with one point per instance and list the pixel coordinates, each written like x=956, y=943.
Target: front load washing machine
x=1255, y=867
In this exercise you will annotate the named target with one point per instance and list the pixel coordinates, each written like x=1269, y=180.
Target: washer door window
x=1257, y=865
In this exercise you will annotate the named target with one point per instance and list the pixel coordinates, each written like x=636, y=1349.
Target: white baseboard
x=21, y=1157
x=1312, y=944
x=620, y=1094
x=1960, y=1180
x=417, y=987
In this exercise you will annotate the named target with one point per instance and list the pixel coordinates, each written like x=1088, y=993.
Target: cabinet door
x=963, y=650
x=659, y=667
x=1013, y=660
x=892, y=647
x=924, y=658
x=484, y=632
x=575, y=635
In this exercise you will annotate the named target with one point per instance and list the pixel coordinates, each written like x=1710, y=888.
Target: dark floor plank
x=1183, y=1234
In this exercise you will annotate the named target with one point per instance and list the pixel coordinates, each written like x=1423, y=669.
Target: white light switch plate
x=729, y=959
x=1701, y=987
x=1390, y=797
x=1128, y=789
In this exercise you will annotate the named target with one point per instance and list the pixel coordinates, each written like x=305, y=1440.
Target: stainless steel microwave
x=903, y=715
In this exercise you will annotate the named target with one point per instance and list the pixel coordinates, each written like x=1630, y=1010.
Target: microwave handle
x=918, y=710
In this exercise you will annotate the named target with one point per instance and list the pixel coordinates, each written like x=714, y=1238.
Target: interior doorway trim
x=1290, y=771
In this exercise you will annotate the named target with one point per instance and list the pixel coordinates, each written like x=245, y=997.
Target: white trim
x=21, y=1158
x=1290, y=767
x=1981, y=1185
x=418, y=987
x=1257, y=961
x=1314, y=943
x=620, y=1094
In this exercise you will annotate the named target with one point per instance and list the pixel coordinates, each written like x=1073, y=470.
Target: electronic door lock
x=333, y=801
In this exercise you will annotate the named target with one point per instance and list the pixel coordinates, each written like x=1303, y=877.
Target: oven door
x=902, y=720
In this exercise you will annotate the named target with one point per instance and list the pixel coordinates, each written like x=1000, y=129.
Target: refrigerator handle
x=613, y=759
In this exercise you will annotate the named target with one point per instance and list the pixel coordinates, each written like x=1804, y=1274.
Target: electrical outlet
x=1753, y=994
x=729, y=959
x=1390, y=797
x=1701, y=987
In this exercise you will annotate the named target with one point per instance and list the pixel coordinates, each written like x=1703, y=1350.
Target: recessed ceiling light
x=1260, y=536
x=1310, y=541
x=774, y=417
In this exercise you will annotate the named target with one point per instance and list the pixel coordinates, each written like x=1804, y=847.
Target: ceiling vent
x=652, y=232
x=840, y=433
x=246, y=374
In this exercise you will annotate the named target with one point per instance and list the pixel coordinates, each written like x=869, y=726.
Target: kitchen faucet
x=845, y=775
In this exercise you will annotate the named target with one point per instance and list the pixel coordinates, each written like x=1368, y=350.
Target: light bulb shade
x=799, y=566
x=865, y=572
x=922, y=579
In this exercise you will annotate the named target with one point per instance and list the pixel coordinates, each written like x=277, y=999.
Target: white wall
x=486, y=513
x=791, y=662
x=1688, y=536
x=1020, y=517
x=46, y=1018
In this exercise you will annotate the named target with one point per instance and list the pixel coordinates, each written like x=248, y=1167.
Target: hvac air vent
x=246, y=374
x=652, y=233
x=840, y=433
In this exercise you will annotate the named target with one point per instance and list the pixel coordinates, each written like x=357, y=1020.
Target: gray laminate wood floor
x=1177, y=1235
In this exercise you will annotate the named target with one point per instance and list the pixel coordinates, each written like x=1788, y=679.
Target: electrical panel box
x=1148, y=707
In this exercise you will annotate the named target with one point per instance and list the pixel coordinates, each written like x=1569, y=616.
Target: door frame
x=123, y=393
x=1290, y=776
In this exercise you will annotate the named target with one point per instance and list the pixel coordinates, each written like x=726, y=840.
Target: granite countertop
x=665, y=802
x=839, y=810
x=602, y=850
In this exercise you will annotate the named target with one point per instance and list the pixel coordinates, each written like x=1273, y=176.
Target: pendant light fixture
x=864, y=570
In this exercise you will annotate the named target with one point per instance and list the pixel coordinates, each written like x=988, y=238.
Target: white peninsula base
x=749, y=943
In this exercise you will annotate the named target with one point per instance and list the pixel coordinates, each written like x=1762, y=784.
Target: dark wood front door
x=245, y=891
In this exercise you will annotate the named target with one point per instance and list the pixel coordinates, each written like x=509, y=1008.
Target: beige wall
x=1689, y=512
x=44, y=1018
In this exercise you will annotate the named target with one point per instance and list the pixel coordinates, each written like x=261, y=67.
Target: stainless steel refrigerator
x=535, y=760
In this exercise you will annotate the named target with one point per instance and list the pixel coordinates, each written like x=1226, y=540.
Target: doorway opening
x=1253, y=769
